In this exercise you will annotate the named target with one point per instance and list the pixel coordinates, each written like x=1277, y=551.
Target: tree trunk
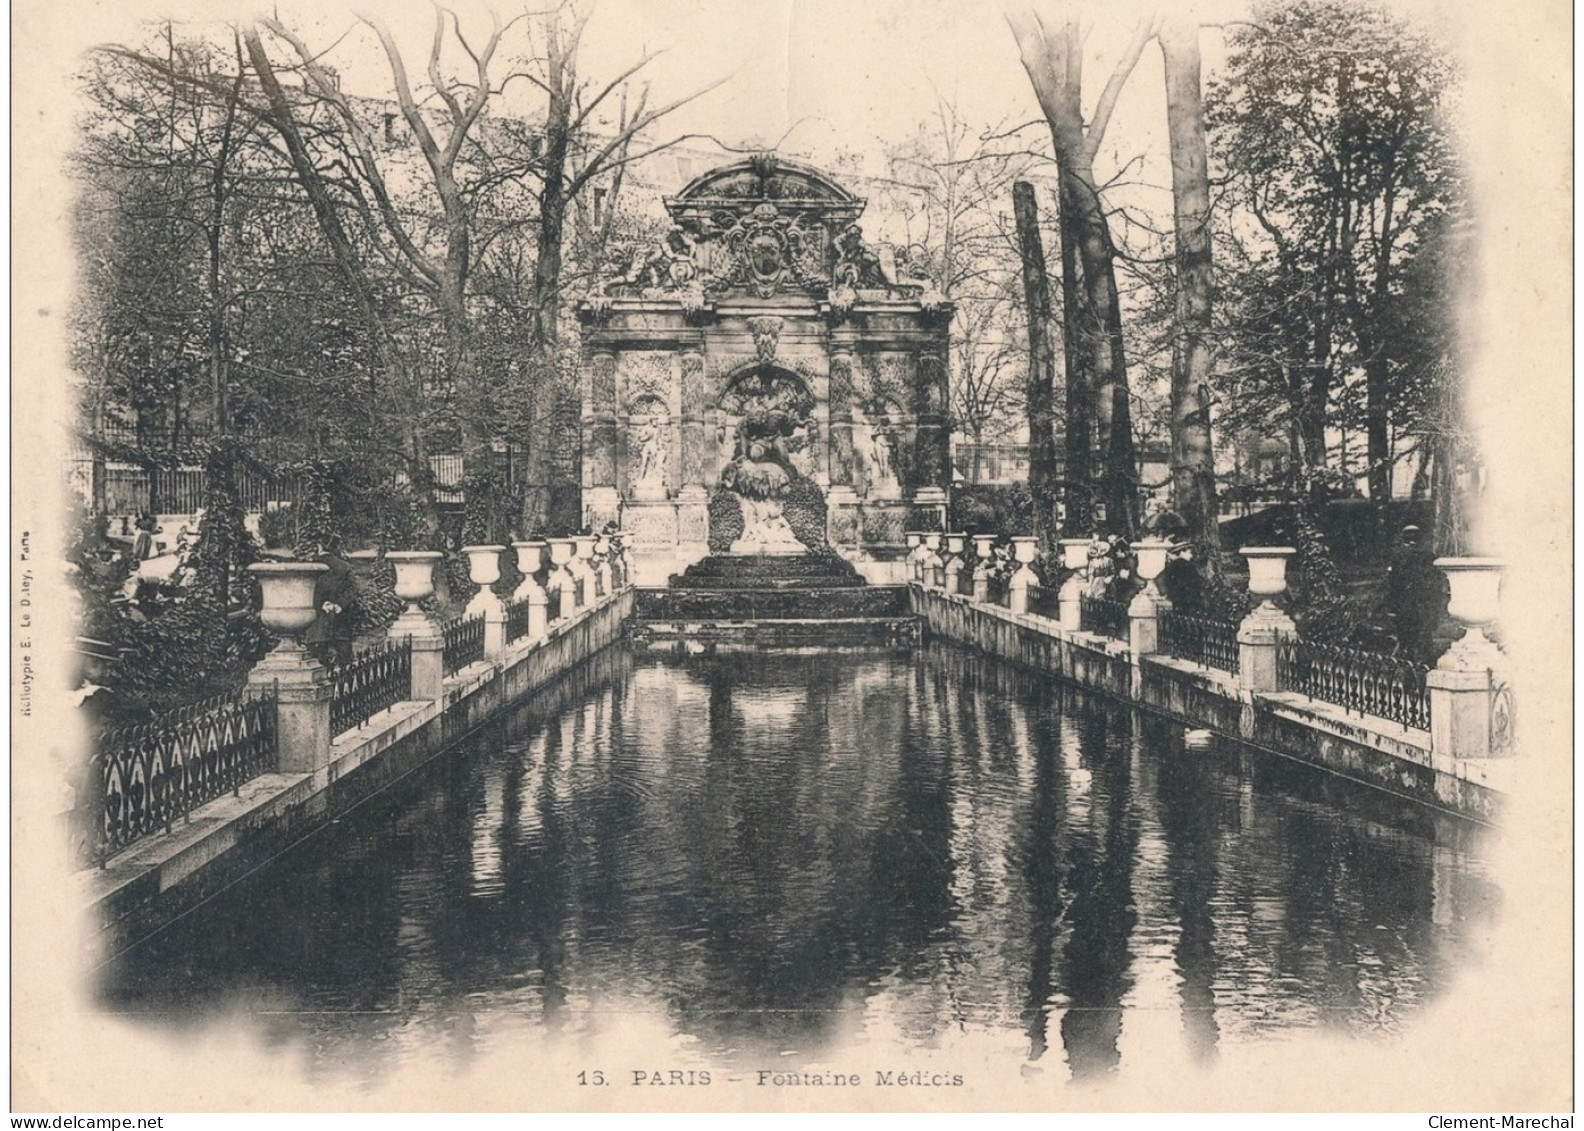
x=1078, y=439
x=1192, y=455
x=1042, y=363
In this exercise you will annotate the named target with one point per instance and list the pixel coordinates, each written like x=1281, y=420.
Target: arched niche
x=648, y=448
x=773, y=406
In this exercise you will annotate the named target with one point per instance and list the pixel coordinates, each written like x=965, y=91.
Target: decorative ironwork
x=150, y=776
x=1370, y=683
x=516, y=620
x=1212, y=643
x=1102, y=616
x=373, y=682
x=464, y=643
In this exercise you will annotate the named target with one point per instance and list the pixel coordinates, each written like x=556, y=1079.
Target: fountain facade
x=764, y=382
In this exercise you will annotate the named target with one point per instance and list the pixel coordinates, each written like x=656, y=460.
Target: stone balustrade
x=1469, y=693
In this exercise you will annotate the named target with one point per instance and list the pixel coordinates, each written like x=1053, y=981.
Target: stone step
x=740, y=571
x=760, y=604
x=718, y=584
x=824, y=632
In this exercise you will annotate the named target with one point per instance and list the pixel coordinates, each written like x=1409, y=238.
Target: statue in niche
x=649, y=435
x=774, y=409
x=876, y=449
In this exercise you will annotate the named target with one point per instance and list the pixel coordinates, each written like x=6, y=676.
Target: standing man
x=329, y=638
x=1416, y=596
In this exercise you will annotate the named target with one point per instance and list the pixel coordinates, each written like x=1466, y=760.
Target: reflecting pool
x=771, y=856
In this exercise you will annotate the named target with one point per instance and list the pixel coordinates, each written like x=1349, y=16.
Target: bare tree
x=1092, y=311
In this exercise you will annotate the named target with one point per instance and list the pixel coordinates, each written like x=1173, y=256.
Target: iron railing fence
x=1212, y=643
x=1103, y=616
x=373, y=682
x=516, y=620
x=464, y=642
x=149, y=776
x=1370, y=683
x=1045, y=601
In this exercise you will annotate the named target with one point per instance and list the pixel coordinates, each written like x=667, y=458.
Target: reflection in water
x=775, y=852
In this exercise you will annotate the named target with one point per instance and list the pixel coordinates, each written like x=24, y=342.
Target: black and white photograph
x=705, y=555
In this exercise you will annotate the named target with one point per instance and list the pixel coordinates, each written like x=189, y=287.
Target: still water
x=770, y=856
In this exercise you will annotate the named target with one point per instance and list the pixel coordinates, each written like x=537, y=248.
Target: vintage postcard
x=892, y=555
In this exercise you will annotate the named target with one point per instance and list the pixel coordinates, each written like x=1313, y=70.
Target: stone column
x=983, y=547
x=932, y=571
x=915, y=555
x=414, y=582
x=932, y=441
x=839, y=433
x=580, y=568
x=1024, y=579
x=1075, y=557
x=601, y=503
x=530, y=556
x=561, y=584
x=484, y=571
x=952, y=573
x=1263, y=630
x=694, y=395
x=1471, y=713
x=302, y=684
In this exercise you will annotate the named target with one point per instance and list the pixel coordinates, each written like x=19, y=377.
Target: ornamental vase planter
x=1267, y=566
x=414, y=574
x=1075, y=553
x=288, y=591
x=1475, y=602
x=483, y=564
x=530, y=557
x=1151, y=554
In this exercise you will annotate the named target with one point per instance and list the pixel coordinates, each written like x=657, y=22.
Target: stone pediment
x=763, y=227
x=794, y=189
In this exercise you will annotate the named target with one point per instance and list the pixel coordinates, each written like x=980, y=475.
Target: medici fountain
x=764, y=383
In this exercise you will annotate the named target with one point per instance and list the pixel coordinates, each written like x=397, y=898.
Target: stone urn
x=1475, y=602
x=603, y=570
x=288, y=591
x=484, y=570
x=414, y=574
x=1267, y=566
x=1151, y=555
x=562, y=584
x=1075, y=552
x=984, y=544
x=484, y=564
x=530, y=557
x=1024, y=550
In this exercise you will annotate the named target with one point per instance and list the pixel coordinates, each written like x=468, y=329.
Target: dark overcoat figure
x=1416, y=596
x=329, y=638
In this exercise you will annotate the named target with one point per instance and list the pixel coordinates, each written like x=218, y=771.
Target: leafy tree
x=1327, y=123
